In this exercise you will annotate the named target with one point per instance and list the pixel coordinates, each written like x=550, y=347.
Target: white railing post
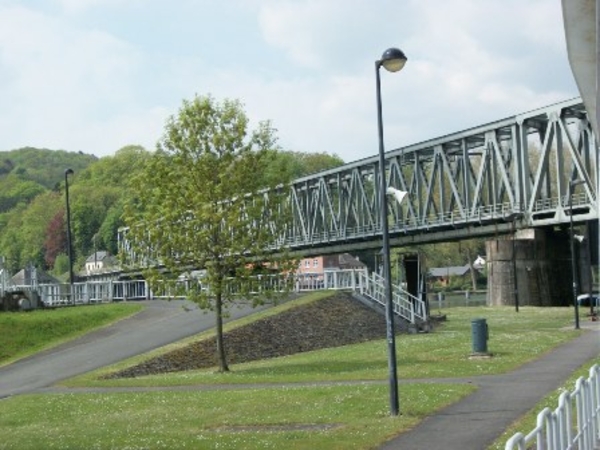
x=558, y=429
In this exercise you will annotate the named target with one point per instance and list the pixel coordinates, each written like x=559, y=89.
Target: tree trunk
x=220, y=341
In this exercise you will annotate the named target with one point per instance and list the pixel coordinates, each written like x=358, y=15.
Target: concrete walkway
x=160, y=323
x=476, y=421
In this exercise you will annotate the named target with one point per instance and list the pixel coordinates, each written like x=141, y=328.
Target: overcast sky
x=96, y=75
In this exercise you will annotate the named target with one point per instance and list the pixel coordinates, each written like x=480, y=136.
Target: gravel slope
x=332, y=322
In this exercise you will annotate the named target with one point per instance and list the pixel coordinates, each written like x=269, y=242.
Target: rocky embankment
x=332, y=322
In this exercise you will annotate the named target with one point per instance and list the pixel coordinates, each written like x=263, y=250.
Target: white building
x=98, y=261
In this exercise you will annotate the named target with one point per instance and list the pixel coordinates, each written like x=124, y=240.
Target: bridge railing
x=574, y=424
x=88, y=292
x=406, y=305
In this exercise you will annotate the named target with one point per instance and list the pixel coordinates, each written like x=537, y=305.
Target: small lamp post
x=69, y=244
x=392, y=60
x=572, y=184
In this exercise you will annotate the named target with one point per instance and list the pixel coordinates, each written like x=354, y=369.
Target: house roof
x=25, y=277
x=347, y=260
x=97, y=256
x=448, y=271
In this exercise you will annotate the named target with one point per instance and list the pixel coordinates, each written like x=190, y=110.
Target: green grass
x=325, y=417
x=24, y=333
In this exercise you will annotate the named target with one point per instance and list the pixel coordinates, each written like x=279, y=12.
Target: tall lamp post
x=69, y=244
x=572, y=184
x=392, y=60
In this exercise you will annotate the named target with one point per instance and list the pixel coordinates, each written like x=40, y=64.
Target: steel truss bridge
x=514, y=173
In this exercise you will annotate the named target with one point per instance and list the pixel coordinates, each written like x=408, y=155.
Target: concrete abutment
x=533, y=268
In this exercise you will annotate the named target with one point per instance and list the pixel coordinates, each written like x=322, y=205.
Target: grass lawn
x=325, y=417
x=221, y=413
x=24, y=333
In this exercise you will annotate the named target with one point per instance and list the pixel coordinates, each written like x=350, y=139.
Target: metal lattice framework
x=512, y=173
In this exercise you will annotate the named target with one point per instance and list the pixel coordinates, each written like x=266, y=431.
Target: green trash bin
x=479, y=335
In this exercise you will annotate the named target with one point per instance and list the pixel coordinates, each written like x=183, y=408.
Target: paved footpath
x=476, y=421
x=160, y=323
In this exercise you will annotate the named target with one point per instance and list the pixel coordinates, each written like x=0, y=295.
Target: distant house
x=31, y=276
x=319, y=264
x=99, y=261
x=443, y=275
x=311, y=270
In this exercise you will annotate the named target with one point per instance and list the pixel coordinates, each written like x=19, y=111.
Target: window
x=315, y=263
x=306, y=263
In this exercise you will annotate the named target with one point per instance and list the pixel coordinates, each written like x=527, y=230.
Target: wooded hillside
x=32, y=204
x=32, y=200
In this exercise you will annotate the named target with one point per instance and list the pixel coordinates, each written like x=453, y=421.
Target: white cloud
x=328, y=36
x=61, y=79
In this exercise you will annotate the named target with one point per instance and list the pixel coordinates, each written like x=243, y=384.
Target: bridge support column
x=531, y=268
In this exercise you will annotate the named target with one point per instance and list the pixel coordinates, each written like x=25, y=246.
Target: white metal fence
x=107, y=291
x=574, y=424
x=405, y=305
x=86, y=292
x=359, y=280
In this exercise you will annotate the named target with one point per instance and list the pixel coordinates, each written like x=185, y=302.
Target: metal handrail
x=405, y=305
x=574, y=424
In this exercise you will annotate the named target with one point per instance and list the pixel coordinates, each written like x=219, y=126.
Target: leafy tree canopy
x=45, y=167
x=284, y=166
x=192, y=201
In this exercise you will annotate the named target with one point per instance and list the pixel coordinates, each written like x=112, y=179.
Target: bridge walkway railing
x=405, y=305
x=87, y=292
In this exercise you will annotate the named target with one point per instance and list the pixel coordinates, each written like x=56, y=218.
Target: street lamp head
x=393, y=60
x=397, y=194
x=69, y=172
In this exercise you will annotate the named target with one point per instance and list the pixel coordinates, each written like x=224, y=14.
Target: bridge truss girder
x=495, y=178
x=510, y=173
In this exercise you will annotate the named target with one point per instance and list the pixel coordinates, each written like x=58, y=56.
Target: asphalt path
x=477, y=420
x=159, y=323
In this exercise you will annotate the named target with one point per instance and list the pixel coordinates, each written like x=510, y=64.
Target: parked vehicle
x=586, y=299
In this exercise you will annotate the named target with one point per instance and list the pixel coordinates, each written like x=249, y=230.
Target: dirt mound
x=332, y=322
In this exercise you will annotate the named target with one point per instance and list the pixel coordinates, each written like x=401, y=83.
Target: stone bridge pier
x=533, y=267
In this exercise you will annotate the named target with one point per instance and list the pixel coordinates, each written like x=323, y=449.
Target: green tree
x=44, y=166
x=89, y=206
x=56, y=238
x=32, y=233
x=196, y=204
x=285, y=166
x=14, y=190
x=108, y=230
x=10, y=240
x=115, y=170
x=61, y=266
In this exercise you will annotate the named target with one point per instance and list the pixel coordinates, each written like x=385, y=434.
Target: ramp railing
x=405, y=305
x=574, y=424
